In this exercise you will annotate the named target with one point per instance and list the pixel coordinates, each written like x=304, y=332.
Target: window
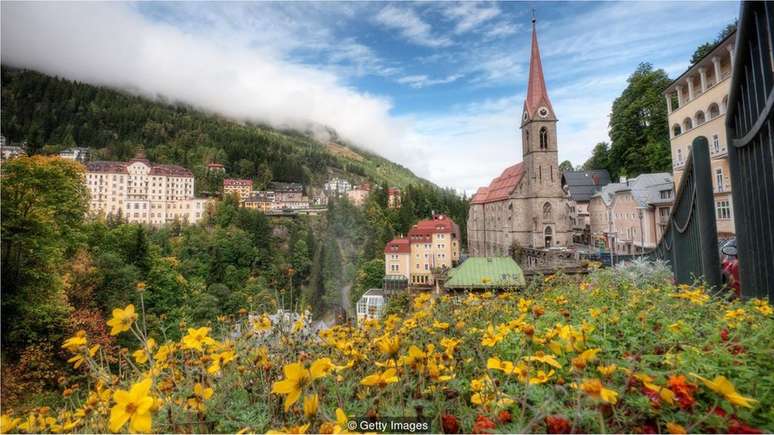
x=723, y=209
x=547, y=211
x=687, y=124
x=700, y=118
x=665, y=194
x=715, y=143
x=680, y=156
x=713, y=110
x=719, y=179
x=543, y=138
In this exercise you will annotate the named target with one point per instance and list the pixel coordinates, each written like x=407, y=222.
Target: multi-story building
x=580, y=186
x=358, y=195
x=79, y=154
x=696, y=103
x=337, y=187
x=216, y=168
x=525, y=206
x=631, y=216
x=393, y=197
x=430, y=245
x=142, y=192
x=241, y=187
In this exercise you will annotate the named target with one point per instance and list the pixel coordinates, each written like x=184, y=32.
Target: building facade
x=580, y=186
x=337, y=186
x=393, y=197
x=359, y=194
x=430, y=245
x=697, y=103
x=79, y=154
x=141, y=192
x=631, y=216
x=525, y=205
x=240, y=187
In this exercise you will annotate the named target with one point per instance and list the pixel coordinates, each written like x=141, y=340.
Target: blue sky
x=437, y=87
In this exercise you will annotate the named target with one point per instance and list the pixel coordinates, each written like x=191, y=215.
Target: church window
x=526, y=138
x=547, y=211
x=540, y=173
x=543, y=138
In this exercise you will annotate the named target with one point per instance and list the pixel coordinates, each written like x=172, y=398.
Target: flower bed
x=615, y=352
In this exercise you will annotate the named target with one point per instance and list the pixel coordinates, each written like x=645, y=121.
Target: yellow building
x=241, y=187
x=431, y=244
x=696, y=103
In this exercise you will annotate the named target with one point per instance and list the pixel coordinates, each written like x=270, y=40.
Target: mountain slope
x=51, y=113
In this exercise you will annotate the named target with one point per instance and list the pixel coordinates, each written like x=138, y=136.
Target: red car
x=730, y=267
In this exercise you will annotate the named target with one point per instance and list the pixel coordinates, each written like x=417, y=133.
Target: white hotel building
x=142, y=192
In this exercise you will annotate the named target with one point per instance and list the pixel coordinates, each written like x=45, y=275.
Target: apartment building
x=697, y=103
x=142, y=192
x=242, y=187
x=580, y=186
x=79, y=154
x=337, y=186
x=429, y=245
x=393, y=197
x=359, y=194
x=632, y=215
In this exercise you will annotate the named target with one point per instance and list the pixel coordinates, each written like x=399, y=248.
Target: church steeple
x=537, y=93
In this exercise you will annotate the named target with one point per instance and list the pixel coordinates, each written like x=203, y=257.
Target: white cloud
x=410, y=26
x=422, y=80
x=470, y=15
x=112, y=44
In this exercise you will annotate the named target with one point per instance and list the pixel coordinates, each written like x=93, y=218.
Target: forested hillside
x=51, y=113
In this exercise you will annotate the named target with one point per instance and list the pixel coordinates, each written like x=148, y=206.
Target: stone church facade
x=526, y=205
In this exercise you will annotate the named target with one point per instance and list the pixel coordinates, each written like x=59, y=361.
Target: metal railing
x=750, y=130
x=690, y=241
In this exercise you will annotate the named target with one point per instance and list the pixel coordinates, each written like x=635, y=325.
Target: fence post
x=705, y=210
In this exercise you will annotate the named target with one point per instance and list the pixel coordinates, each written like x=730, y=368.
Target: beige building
x=393, y=197
x=430, y=244
x=696, y=103
x=580, y=186
x=525, y=205
x=632, y=214
x=242, y=187
x=142, y=192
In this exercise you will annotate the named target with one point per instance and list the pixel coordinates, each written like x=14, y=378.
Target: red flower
x=483, y=424
x=504, y=417
x=724, y=335
x=736, y=426
x=558, y=424
x=683, y=390
x=655, y=400
x=450, y=424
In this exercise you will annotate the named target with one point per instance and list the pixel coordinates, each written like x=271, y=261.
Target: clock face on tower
x=543, y=112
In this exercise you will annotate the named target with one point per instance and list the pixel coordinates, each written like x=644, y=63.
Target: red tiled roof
x=398, y=246
x=110, y=167
x=537, y=93
x=120, y=168
x=214, y=165
x=501, y=187
x=393, y=191
x=423, y=230
x=237, y=182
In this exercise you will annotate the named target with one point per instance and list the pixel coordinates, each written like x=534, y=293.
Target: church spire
x=537, y=93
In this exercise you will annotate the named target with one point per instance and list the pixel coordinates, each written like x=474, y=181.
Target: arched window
x=543, y=138
x=724, y=104
x=676, y=130
x=700, y=118
x=547, y=234
x=687, y=124
x=713, y=111
x=547, y=212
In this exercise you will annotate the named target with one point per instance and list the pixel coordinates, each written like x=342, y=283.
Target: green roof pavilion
x=486, y=273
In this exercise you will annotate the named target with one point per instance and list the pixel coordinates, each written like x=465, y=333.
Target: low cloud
x=113, y=44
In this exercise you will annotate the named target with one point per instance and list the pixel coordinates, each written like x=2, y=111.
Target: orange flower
x=683, y=390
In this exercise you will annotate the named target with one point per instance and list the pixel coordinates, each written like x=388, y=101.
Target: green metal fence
x=690, y=242
x=750, y=129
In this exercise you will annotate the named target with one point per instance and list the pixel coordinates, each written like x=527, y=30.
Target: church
x=525, y=206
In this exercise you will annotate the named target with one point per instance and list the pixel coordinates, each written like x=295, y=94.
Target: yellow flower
x=381, y=379
x=79, y=359
x=677, y=326
x=296, y=377
x=219, y=360
x=140, y=355
x=542, y=377
x=8, y=423
x=200, y=395
x=289, y=430
x=594, y=388
x=440, y=325
x=122, y=319
x=389, y=346
x=491, y=338
x=548, y=359
x=723, y=386
x=73, y=343
x=262, y=324
x=675, y=428
x=311, y=403
x=133, y=406
x=163, y=353
x=607, y=371
x=763, y=307
x=196, y=338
